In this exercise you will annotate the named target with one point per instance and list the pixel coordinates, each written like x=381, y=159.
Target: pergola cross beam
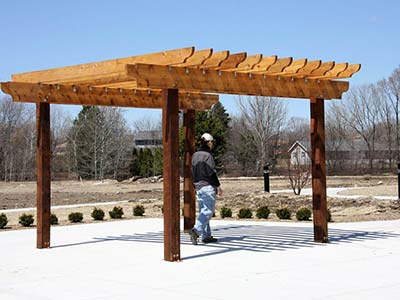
x=230, y=82
x=88, y=95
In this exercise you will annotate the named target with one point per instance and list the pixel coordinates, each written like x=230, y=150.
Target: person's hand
x=219, y=191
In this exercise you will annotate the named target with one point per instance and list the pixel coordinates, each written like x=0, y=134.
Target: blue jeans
x=206, y=202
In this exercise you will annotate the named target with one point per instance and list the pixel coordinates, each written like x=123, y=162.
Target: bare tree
x=16, y=137
x=264, y=117
x=338, y=140
x=391, y=88
x=241, y=147
x=297, y=129
x=387, y=117
x=60, y=123
x=147, y=124
x=299, y=169
x=359, y=111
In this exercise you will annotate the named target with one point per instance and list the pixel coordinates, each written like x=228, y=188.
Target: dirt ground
x=238, y=193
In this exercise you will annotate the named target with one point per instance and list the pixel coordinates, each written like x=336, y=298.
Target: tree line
x=362, y=135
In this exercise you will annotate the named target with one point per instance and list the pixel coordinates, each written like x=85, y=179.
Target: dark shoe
x=193, y=236
x=210, y=239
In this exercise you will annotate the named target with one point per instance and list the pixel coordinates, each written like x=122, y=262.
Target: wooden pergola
x=182, y=79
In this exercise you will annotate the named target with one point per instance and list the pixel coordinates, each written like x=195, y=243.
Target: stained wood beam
x=43, y=175
x=189, y=195
x=86, y=95
x=227, y=82
x=318, y=170
x=103, y=72
x=170, y=120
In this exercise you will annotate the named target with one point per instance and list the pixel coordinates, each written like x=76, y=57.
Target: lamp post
x=266, y=178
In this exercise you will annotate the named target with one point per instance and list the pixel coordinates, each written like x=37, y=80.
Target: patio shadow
x=254, y=238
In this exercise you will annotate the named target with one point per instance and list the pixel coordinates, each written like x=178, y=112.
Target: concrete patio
x=253, y=260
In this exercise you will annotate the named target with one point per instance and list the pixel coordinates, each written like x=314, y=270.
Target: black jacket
x=203, y=168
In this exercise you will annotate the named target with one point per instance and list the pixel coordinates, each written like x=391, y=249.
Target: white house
x=299, y=154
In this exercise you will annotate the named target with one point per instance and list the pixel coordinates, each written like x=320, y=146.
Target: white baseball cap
x=207, y=137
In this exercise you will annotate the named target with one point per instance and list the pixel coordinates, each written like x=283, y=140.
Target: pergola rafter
x=188, y=80
x=109, y=70
x=118, y=73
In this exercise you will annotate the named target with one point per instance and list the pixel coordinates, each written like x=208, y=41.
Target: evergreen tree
x=216, y=123
x=97, y=143
x=82, y=146
x=146, y=163
x=157, y=161
x=134, y=167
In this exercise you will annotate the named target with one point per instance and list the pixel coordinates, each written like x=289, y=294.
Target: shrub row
x=98, y=214
x=263, y=212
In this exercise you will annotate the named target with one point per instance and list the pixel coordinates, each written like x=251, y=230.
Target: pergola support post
x=320, y=212
x=170, y=124
x=189, y=196
x=43, y=175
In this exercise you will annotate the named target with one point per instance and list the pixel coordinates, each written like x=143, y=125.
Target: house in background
x=148, y=139
x=299, y=154
x=353, y=154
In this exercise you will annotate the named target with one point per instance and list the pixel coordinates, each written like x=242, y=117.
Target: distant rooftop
x=148, y=138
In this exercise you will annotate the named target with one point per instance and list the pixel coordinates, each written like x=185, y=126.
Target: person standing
x=207, y=187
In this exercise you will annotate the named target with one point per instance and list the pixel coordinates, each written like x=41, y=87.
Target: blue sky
x=45, y=34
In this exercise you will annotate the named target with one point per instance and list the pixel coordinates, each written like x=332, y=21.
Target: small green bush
x=263, y=212
x=53, y=219
x=3, y=220
x=116, y=213
x=303, y=214
x=283, y=213
x=329, y=216
x=245, y=213
x=75, y=217
x=26, y=220
x=98, y=214
x=225, y=212
x=138, y=210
